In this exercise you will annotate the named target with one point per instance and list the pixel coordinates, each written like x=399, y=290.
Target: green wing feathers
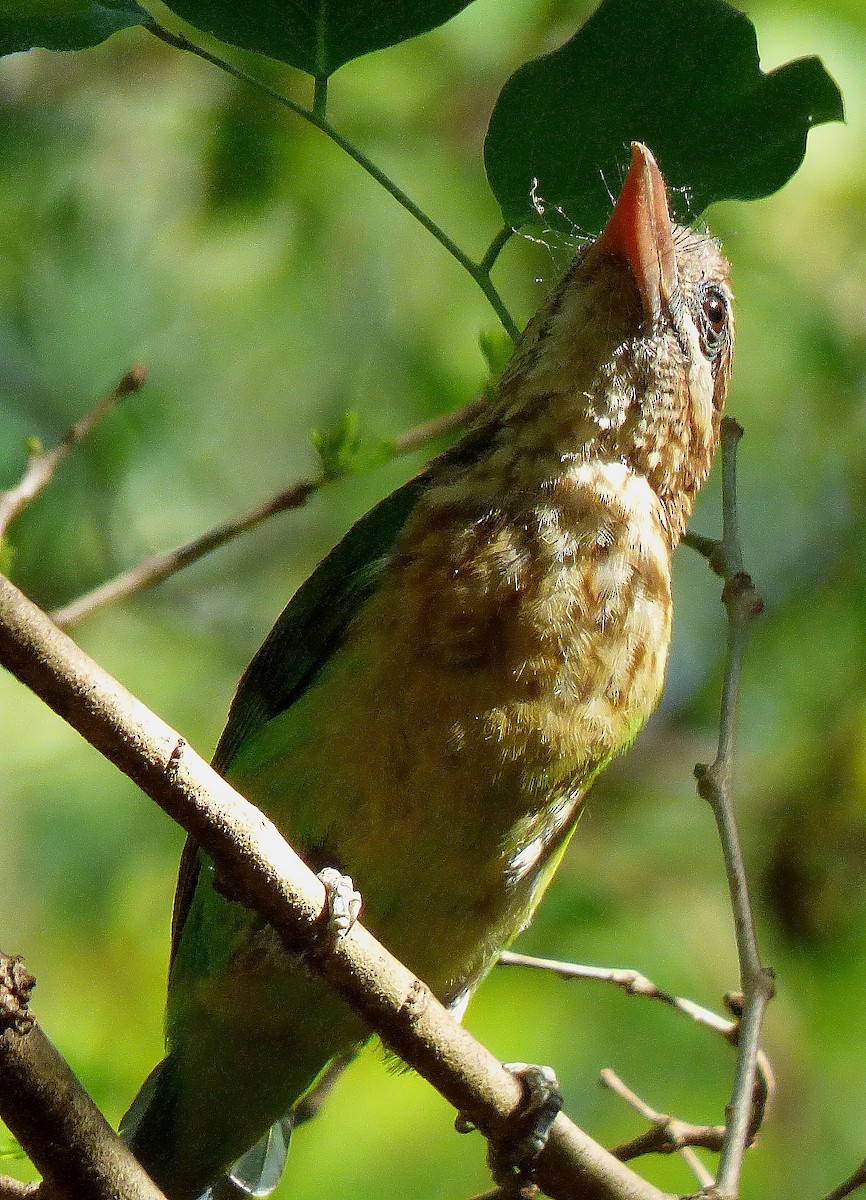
x=306, y=634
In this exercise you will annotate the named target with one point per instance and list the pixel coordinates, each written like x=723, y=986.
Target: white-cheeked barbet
x=431, y=708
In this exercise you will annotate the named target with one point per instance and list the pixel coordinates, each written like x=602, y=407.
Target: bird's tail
x=258, y=1172
x=148, y=1129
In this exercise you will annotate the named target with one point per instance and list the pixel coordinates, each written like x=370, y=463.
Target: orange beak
x=639, y=230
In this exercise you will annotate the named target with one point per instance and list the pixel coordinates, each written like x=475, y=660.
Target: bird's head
x=629, y=358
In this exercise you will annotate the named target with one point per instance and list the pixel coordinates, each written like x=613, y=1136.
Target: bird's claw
x=513, y=1161
x=343, y=901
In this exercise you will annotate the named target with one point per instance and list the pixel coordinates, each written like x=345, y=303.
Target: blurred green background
x=153, y=210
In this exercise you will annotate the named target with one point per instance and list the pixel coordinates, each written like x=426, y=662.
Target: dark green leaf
x=64, y=24
x=317, y=36
x=684, y=77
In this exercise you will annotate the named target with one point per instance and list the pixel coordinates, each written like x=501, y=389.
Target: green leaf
x=317, y=36
x=64, y=24
x=684, y=77
x=497, y=348
x=338, y=448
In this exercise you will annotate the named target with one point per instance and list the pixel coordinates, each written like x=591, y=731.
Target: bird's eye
x=714, y=320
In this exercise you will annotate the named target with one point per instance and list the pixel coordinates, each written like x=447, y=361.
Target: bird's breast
x=538, y=618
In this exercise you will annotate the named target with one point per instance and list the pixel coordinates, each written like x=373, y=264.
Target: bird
x=431, y=708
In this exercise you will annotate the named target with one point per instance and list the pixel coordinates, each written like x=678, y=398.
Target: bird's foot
x=512, y=1161
x=343, y=901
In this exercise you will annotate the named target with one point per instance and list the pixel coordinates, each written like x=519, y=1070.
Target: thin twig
x=851, y=1184
x=636, y=984
x=42, y=464
x=715, y=784
x=502, y=1193
x=479, y=271
x=312, y=1101
x=428, y=431
x=157, y=567
x=667, y=1135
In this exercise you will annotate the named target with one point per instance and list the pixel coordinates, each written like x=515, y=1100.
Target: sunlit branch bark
x=14, y=1189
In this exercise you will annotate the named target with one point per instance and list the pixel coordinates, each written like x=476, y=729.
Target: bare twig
x=851, y=1184
x=421, y=435
x=264, y=870
x=157, y=567
x=526, y=1191
x=667, y=1135
x=309, y=1106
x=636, y=984
x=51, y=1115
x=715, y=784
x=42, y=464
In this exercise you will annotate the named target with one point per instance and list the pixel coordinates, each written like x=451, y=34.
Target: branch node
x=734, y=1002
x=16, y=987
x=134, y=379
x=765, y=982
x=740, y=597
x=732, y=429
x=416, y=1002
x=172, y=767
x=709, y=785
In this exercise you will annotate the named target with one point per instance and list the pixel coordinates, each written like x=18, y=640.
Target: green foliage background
x=151, y=209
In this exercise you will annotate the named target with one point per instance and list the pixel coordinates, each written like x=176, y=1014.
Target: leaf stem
x=479, y=271
x=320, y=96
x=493, y=250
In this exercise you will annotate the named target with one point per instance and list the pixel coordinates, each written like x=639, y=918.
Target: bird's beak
x=639, y=230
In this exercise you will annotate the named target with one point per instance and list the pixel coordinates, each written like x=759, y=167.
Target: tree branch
x=64, y=1133
x=14, y=1189
x=156, y=567
x=265, y=871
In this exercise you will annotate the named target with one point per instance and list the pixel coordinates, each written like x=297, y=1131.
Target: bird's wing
x=306, y=634
x=312, y=626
